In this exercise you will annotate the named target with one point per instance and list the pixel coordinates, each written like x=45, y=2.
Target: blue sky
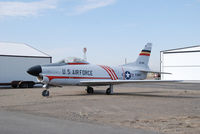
x=112, y=30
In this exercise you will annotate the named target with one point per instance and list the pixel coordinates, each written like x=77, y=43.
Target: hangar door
x=184, y=65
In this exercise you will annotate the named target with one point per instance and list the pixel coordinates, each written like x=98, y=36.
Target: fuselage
x=78, y=72
x=73, y=71
x=72, y=74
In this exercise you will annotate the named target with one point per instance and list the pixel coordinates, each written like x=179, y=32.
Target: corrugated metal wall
x=14, y=68
x=184, y=65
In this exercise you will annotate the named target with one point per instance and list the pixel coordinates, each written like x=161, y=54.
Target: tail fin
x=143, y=59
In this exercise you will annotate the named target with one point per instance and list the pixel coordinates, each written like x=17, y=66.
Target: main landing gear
x=45, y=93
x=90, y=90
x=109, y=90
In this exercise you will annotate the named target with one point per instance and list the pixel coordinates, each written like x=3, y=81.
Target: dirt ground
x=164, y=108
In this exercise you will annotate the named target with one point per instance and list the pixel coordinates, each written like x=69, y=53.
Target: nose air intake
x=35, y=70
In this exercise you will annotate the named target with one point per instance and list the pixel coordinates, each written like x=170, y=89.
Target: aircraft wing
x=116, y=82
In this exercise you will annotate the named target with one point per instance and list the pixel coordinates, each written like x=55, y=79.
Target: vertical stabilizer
x=143, y=59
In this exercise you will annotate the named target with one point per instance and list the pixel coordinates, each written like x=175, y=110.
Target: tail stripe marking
x=145, y=52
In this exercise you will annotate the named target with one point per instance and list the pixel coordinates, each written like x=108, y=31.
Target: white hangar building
x=183, y=63
x=16, y=58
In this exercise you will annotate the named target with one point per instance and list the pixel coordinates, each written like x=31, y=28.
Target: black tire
x=30, y=85
x=90, y=90
x=45, y=93
x=22, y=85
x=26, y=84
x=108, y=91
x=14, y=85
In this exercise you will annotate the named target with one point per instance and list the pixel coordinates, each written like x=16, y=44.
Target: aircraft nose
x=35, y=70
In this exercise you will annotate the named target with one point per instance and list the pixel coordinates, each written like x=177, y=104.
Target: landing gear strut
x=46, y=93
x=90, y=90
x=109, y=90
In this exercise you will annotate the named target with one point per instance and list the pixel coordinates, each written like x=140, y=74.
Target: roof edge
x=37, y=49
x=25, y=56
x=46, y=55
x=180, y=48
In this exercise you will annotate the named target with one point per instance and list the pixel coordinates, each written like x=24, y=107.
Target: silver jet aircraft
x=77, y=72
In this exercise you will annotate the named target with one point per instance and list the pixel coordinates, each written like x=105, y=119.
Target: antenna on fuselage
x=84, y=52
x=125, y=61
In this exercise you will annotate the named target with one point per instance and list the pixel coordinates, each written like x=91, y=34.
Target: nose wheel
x=90, y=90
x=46, y=93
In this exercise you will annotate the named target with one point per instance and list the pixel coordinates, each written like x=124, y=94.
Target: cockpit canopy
x=71, y=60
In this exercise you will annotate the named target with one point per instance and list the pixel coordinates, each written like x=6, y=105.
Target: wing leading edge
x=116, y=82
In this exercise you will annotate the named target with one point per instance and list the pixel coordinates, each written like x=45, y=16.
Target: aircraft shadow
x=153, y=95
x=10, y=88
x=136, y=94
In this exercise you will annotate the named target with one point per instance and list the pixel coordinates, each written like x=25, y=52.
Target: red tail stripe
x=145, y=54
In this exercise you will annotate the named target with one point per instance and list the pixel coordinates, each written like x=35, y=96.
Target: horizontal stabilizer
x=149, y=71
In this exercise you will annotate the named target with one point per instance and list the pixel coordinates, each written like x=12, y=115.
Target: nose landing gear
x=46, y=93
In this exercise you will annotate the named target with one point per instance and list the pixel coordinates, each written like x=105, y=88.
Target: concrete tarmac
x=168, y=108
x=19, y=123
